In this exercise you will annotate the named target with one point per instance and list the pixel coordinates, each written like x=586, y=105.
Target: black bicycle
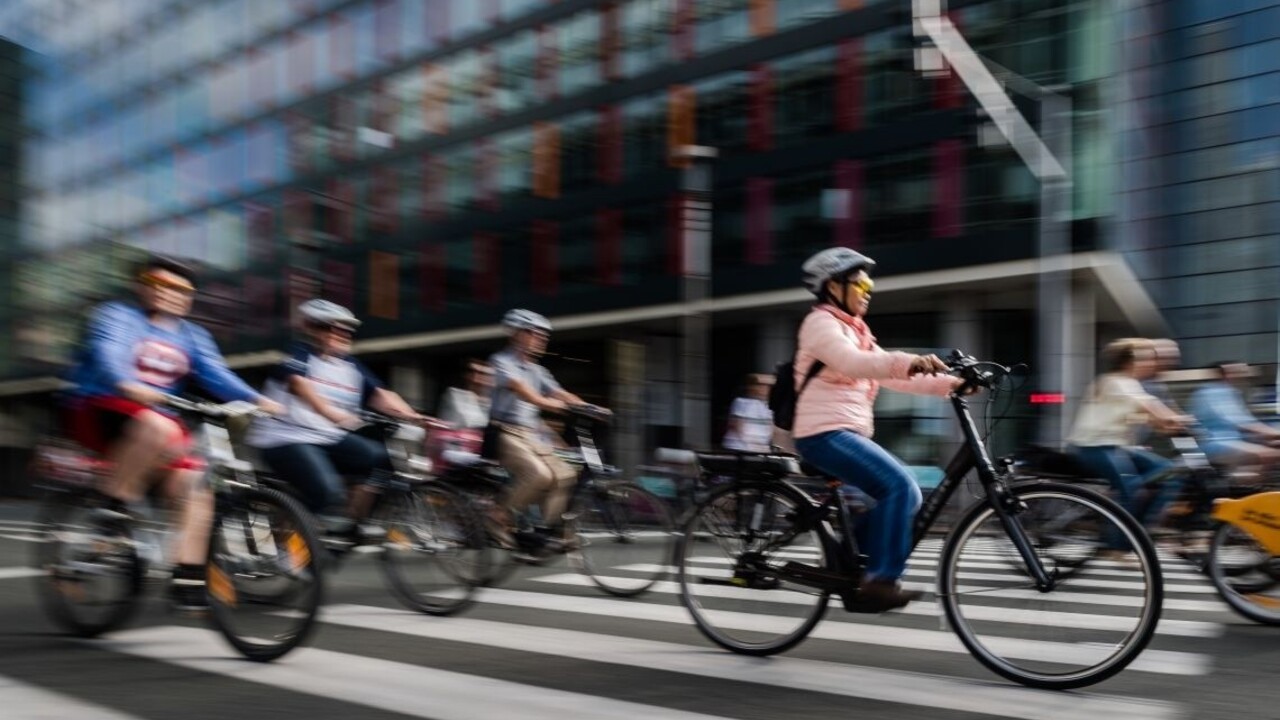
x=761, y=542
x=434, y=547
x=263, y=575
x=615, y=532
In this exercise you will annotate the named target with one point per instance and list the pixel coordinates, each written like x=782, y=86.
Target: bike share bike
x=615, y=532
x=1244, y=555
x=762, y=542
x=263, y=578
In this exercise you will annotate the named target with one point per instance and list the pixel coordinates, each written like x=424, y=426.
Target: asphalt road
x=548, y=644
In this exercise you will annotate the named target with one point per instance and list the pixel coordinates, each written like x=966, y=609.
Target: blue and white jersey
x=343, y=382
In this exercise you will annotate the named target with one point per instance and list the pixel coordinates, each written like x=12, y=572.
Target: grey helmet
x=833, y=264
x=324, y=312
x=518, y=319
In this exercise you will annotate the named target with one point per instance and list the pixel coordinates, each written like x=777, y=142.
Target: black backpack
x=784, y=394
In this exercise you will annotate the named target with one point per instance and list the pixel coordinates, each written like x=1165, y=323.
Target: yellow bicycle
x=1244, y=557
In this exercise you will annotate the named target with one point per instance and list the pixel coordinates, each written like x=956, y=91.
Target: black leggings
x=317, y=470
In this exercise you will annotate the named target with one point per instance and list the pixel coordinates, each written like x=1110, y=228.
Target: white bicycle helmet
x=323, y=312
x=518, y=319
x=833, y=264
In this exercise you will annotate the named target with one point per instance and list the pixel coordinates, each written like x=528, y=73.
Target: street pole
x=695, y=229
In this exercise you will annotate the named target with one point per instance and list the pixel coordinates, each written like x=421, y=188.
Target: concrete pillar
x=412, y=384
x=961, y=329
x=626, y=397
x=1081, y=352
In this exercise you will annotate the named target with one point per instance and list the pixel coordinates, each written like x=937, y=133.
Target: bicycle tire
x=629, y=515
x=304, y=550
x=54, y=590
x=1129, y=647
x=689, y=577
x=1245, y=596
x=432, y=520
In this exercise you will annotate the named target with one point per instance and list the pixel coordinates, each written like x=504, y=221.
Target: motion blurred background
x=430, y=163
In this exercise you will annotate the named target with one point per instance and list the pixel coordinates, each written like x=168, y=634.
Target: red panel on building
x=610, y=42
x=339, y=282
x=548, y=63
x=760, y=121
x=432, y=188
x=301, y=70
x=849, y=85
x=487, y=267
x=759, y=221
x=848, y=222
x=609, y=159
x=609, y=246
x=545, y=261
x=342, y=46
x=948, y=183
x=383, y=202
x=675, y=235
x=431, y=260
x=387, y=16
x=682, y=27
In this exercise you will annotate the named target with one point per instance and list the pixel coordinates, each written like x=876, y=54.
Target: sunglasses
x=863, y=285
x=158, y=282
x=339, y=329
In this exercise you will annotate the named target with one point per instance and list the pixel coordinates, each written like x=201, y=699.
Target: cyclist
x=750, y=427
x=834, y=420
x=1114, y=409
x=522, y=387
x=1234, y=436
x=311, y=445
x=468, y=407
x=133, y=358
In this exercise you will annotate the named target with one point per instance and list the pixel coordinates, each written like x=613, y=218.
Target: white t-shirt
x=1111, y=413
x=464, y=408
x=343, y=382
x=754, y=432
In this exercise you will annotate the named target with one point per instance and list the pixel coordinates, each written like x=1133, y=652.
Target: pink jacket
x=843, y=395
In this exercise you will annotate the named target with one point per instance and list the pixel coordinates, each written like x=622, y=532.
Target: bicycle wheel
x=1065, y=533
x=1245, y=574
x=1031, y=636
x=264, y=572
x=727, y=562
x=93, y=577
x=435, y=552
x=624, y=537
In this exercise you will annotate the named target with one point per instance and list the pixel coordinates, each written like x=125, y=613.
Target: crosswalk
x=549, y=645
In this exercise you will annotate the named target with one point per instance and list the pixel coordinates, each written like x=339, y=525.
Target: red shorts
x=98, y=421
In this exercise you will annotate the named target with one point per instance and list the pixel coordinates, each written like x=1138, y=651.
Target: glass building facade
x=431, y=162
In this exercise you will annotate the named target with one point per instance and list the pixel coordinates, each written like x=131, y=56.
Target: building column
x=777, y=340
x=412, y=384
x=627, y=360
x=1081, y=351
x=961, y=329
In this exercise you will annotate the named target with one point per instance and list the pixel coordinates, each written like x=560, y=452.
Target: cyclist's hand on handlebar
x=348, y=421
x=927, y=365
x=271, y=407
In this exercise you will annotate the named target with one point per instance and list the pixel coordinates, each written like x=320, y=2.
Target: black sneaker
x=187, y=591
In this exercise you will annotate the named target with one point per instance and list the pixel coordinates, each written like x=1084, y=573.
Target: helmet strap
x=844, y=293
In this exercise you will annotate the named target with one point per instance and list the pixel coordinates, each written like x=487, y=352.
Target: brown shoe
x=876, y=596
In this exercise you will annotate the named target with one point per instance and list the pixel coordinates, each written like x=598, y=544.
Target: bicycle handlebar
x=215, y=411
x=974, y=372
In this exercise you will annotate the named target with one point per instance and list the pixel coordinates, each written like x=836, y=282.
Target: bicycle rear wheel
x=264, y=572
x=1245, y=574
x=728, y=562
x=436, y=550
x=1030, y=635
x=624, y=534
x=93, y=577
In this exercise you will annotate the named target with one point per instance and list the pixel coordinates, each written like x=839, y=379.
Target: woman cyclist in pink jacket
x=834, y=414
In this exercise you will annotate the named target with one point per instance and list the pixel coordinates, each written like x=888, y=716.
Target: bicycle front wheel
x=1028, y=634
x=624, y=535
x=436, y=550
x=1245, y=574
x=729, y=564
x=263, y=574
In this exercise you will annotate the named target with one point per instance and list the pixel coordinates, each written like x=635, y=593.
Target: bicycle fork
x=1007, y=507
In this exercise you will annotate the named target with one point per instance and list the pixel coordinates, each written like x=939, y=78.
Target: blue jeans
x=884, y=533
x=1128, y=469
x=317, y=470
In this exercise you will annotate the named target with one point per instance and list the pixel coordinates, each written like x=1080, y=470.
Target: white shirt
x=754, y=431
x=464, y=409
x=1111, y=413
x=343, y=382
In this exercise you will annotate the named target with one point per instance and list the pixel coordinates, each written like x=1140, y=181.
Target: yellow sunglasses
x=152, y=280
x=863, y=285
